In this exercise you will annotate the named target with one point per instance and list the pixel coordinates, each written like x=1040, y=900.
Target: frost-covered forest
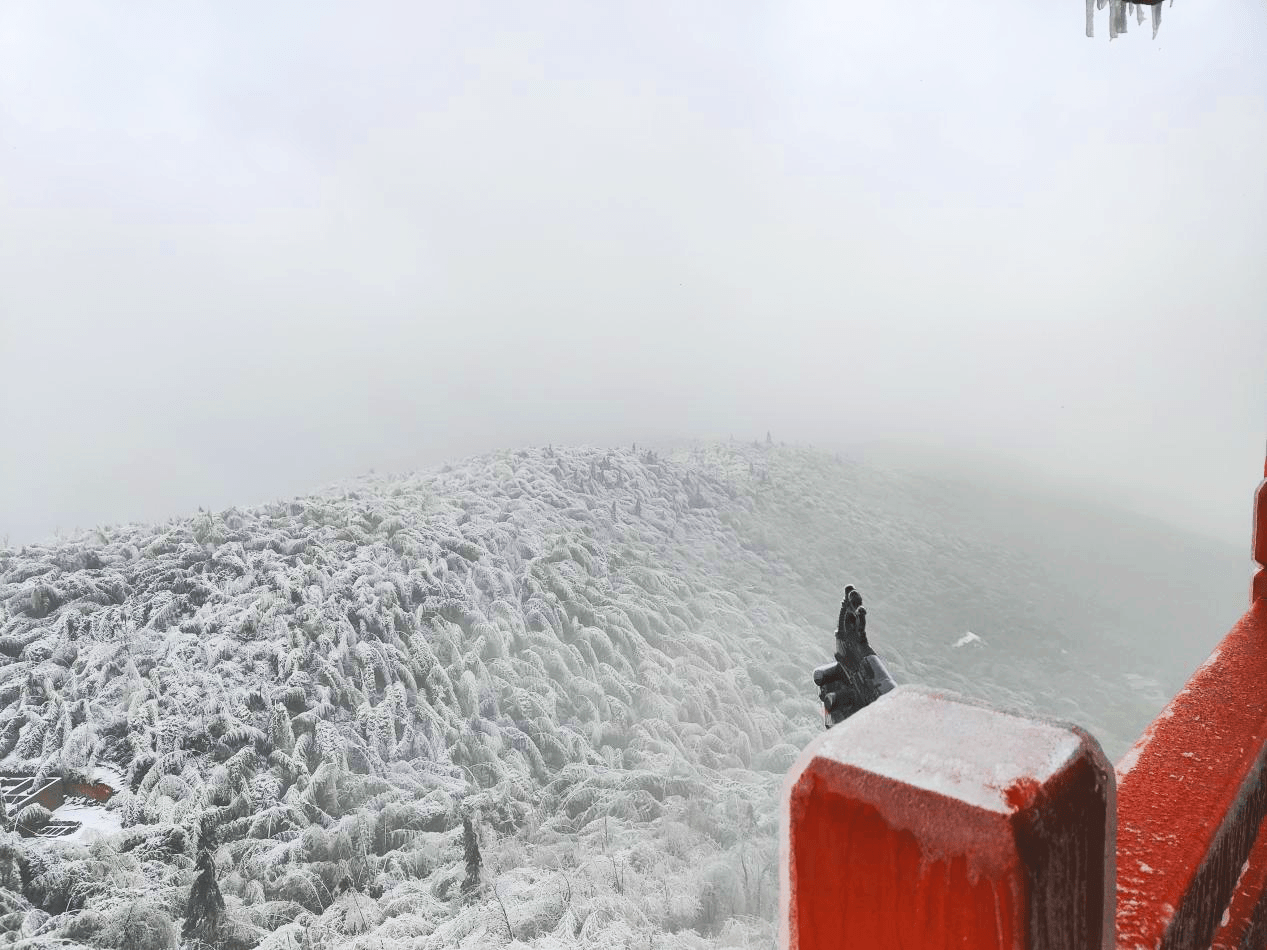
x=540, y=698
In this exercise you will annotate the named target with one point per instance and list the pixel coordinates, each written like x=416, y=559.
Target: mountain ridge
x=605, y=654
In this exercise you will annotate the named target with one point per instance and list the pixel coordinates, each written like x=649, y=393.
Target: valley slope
x=601, y=657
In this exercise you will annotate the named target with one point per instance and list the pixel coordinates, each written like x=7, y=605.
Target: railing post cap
x=953, y=745
x=922, y=799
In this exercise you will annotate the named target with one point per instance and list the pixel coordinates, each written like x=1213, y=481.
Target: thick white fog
x=852, y=278
x=247, y=250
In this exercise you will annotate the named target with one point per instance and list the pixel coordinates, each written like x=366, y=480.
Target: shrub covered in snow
x=602, y=658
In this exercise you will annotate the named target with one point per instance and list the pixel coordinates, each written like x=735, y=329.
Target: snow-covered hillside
x=601, y=657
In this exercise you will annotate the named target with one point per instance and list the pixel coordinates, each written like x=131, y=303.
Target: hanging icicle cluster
x=1119, y=11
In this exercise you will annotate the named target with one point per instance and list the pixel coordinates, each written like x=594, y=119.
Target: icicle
x=1120, y=15
x=1117, y=11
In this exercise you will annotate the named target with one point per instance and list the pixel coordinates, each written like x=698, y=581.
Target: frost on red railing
x=927, y=820
x=1258, y=588
x=1191, y=798
x=1244, y=923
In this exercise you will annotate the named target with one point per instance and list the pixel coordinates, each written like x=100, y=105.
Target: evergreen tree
x=204, y=910
x=281, y=733
x=473, y=860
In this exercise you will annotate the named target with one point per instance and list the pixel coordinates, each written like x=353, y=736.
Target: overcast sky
x=249, y=249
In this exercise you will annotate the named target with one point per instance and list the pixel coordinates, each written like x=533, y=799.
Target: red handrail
x=1191, y=797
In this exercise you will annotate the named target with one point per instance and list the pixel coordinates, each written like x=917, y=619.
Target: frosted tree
x=281, y=734
x=332, y=681
x=473, y=860
x=204, y=910
x=34, y=817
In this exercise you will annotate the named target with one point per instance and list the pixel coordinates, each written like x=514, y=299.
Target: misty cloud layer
x=245, y=251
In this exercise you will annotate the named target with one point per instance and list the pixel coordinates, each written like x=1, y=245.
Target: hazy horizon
x=247, y=254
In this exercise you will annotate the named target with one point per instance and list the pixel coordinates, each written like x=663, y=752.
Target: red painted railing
x=930, y=821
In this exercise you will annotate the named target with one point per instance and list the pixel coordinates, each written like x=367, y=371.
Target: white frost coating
x=967, y=638
x=1235, y=890
x=1128, y=761
x=946, y=745
x=107, y=775
x=1211, y=659
x=93, y=820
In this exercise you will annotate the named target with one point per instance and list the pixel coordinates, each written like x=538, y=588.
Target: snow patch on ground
x=93, y=820
x=967, y=638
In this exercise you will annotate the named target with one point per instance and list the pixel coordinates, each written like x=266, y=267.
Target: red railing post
x=928, y=820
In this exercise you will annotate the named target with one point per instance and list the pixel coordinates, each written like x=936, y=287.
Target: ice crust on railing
x=1119, y=10
x=971, y=761
x=1131, y=758
x=1191, y=800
